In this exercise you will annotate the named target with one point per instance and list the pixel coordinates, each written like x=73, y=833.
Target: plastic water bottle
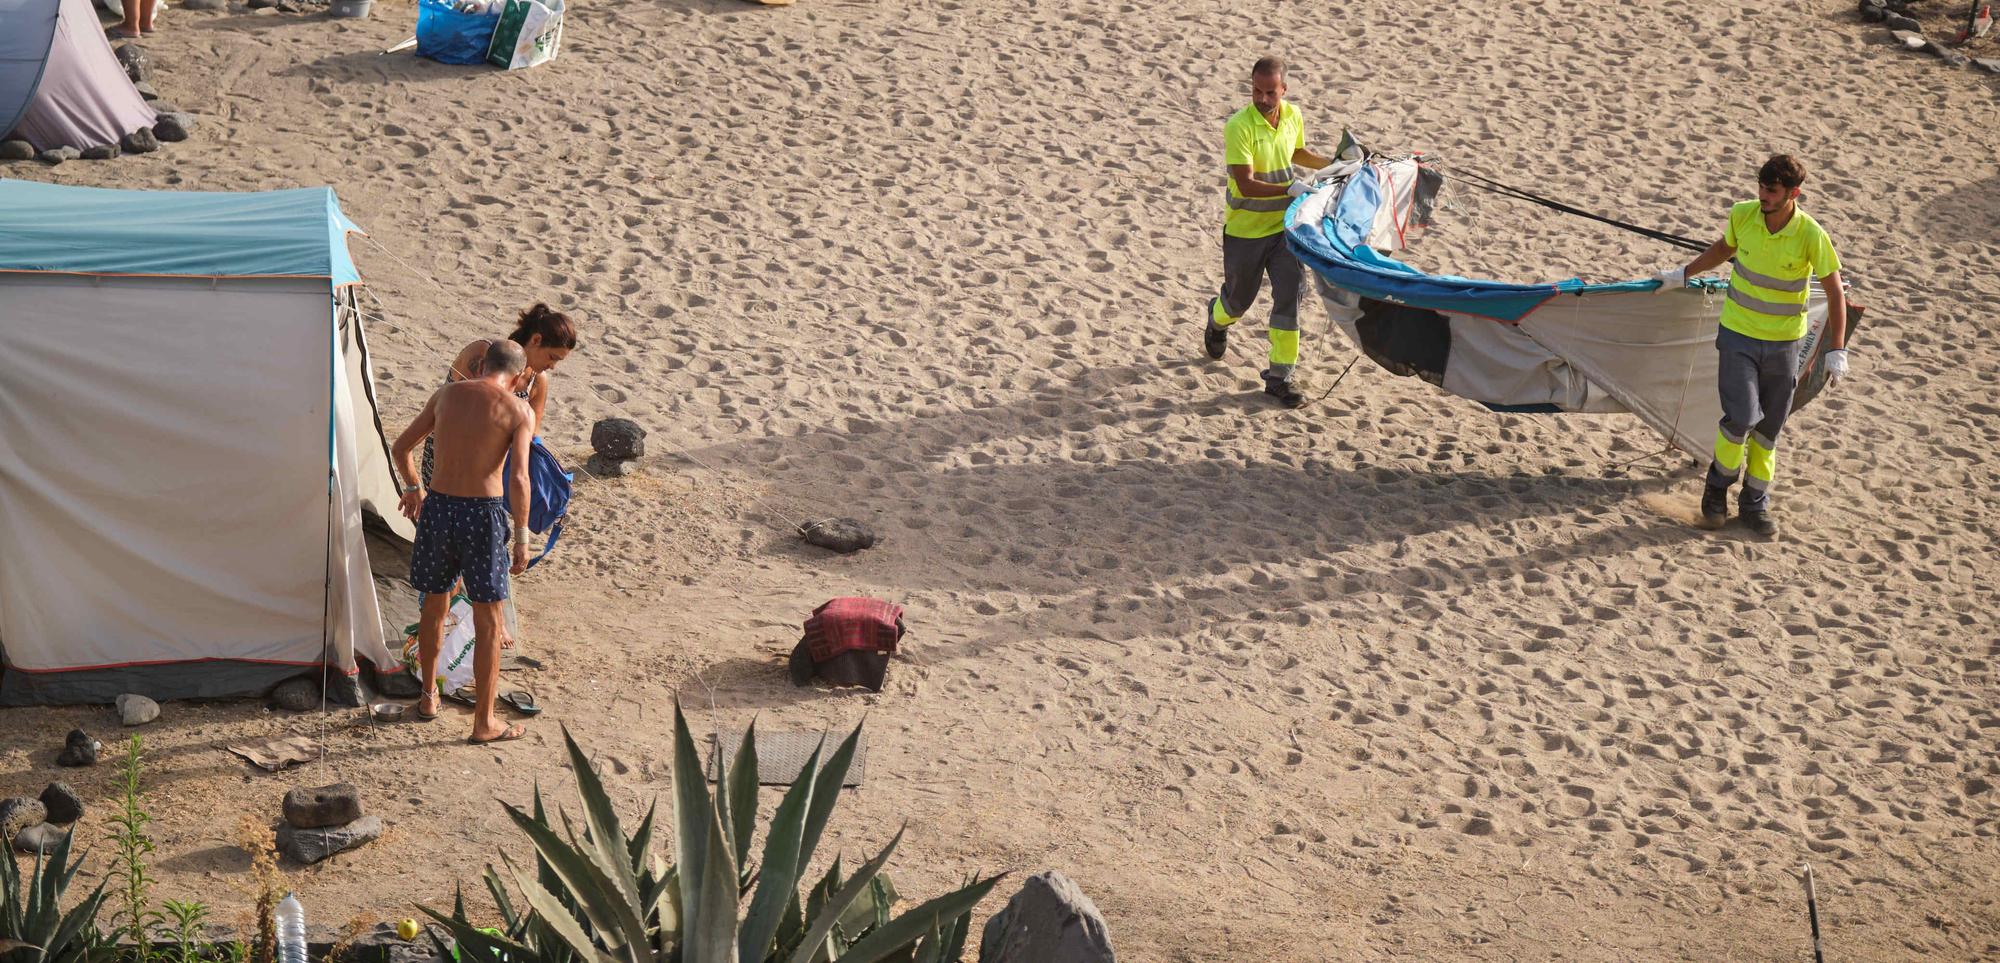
x=291, y=930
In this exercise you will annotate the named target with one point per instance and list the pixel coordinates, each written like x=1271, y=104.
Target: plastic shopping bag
x=450, y=37
x=454, y=655
x=528, y=34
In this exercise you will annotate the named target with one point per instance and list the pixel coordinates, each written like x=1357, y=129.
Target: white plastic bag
x=529, y=33
x=455, y=655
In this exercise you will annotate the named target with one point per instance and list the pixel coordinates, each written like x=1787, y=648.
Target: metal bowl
x=387, y=711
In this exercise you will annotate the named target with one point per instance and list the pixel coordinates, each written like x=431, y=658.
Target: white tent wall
x=164, y=490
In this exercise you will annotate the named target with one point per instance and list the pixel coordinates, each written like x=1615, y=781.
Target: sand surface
x=1389, y=677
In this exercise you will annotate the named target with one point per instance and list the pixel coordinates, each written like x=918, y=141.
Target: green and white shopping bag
x=528, y=34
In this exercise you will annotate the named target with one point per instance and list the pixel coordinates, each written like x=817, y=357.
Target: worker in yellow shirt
x=1261, y=143
x=1774, y=250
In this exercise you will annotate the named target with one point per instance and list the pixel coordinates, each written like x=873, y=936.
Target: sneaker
x=1760, y=522
x=1714, y=507
x=1214, y=340
x=1287, y=393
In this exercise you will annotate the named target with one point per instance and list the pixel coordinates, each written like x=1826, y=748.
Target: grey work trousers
x=1755, y=379
x=1245, y=262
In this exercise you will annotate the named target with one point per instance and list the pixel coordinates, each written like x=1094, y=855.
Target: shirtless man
x=462, y=524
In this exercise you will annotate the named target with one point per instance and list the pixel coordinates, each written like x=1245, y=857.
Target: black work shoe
x=1287, y=393
x=1760, y=522
x=1714, y=507
x=1214, y=340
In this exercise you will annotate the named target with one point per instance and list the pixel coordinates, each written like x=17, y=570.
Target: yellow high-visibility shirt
x=1251, y=140
x=1769, y=277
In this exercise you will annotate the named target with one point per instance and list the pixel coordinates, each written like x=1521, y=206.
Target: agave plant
x=600, y=896
x=33, y=926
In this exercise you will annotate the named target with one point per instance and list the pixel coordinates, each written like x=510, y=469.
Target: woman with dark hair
x=547, y=335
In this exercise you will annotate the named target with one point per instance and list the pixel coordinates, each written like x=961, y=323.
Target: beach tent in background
x=1552, y=347
x=188, y=441
x=60, y=84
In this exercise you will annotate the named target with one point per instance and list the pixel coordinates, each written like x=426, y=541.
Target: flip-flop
x=521, y=701
x=463, y=696
x=418, y=708
x=124, y=35
x=510, y=734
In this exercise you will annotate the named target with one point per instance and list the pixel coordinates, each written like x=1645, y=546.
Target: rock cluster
x=619, y=443
x=36, y=825
x=324, y=821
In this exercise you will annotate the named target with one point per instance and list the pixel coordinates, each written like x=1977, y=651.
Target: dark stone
x=134, y=710
x=299, y=694
x=13, y=150
x=204, y=4
x=843, y=535
x=263, y=4
x=398, y=685
x=173, y=126
x=309, y=846
x=61, y=803
x=100, y=152
x=335, y=805
x=618, y=438
x=1896, y=21
x=79, y=749
x=287, y=6
x=1048, y=921
x=1872, y=11
x=146, y=90
x=133, y=58
x=140, y=141
x=601, y=467
x=1952, y=58
x=39, y=838
x=57, y=155
x=19, y=813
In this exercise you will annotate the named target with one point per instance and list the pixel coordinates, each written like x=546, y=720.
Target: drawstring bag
x=549, y=489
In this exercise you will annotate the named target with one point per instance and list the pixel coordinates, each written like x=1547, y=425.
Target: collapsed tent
x=1554, y=347
x=188, y=440
x=60, y=84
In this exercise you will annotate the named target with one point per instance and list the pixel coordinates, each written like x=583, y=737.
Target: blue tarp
x=1333, y=248
x=88, y=230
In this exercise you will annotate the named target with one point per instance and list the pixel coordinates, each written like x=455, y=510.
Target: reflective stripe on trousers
x=1755, y=381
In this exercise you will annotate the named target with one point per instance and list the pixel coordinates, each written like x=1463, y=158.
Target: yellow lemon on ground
x=407, y=929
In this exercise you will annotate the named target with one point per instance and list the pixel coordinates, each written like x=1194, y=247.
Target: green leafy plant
x=133, y=845
x=182, y=922
x=33, y=926
x=601, y=896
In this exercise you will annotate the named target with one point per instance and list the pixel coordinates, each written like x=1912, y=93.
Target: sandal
x=511, y=733
x=117, y=34
x=465, y=696
x=425, y=716
x=521, y=701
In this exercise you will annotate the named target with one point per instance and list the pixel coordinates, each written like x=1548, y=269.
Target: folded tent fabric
x=1548, y=347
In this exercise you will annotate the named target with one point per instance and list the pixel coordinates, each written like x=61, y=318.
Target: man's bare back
x=476, y=422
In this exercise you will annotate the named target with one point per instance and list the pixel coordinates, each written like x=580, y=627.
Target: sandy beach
x=1387, y=677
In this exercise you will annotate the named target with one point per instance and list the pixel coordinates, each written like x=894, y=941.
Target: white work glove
x=1673, y=279
x=1836, y=366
